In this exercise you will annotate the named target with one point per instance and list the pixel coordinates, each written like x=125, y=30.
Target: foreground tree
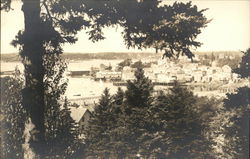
x=244, y=68
x=139, y=91
x=97, y=135
x=237, y=133
x=68, y=143
x=61, y=133
x=172, y=125
x=49, y=24
x=138, y=99
x=177, y=126
x=118, y=122
x=13, y=117
x=238, y=104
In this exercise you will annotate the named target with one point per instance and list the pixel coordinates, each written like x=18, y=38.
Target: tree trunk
x=32, y=53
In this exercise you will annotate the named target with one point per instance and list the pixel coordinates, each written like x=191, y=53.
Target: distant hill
x=217, y=53
x=13, y=57
x=108, y=56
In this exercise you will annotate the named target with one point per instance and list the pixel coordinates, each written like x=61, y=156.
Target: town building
x=108, y=75
x=128, y=73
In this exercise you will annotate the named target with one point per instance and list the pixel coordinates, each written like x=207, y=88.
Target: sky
x=229, y=29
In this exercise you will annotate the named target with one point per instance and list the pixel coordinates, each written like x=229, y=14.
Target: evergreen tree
x=139, y=91
x=13, y=117
x=68, y=134
x=244, y=69
x=118, y=100
x=118, y=144
x=116, y=126
x=138, y=98
x=177, y=127
x=100, y=123
x=237, y=134
x=238, y=104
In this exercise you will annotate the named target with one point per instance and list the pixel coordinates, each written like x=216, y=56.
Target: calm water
x=77, y=87
x=85, y=86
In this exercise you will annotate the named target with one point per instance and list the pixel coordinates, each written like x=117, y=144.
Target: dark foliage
x=239, y=104
x=244, y=68
x=101, y=122
x=238, y=132
x=5, y=5
x=61, y=135
x=172, y=125
x=178, y=126
x=13, y=117
x=140, y=64
x=139, y=91
x=126, y=62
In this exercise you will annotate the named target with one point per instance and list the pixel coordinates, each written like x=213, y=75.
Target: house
x=81, y=116
x=197, y=76
x=162, y=77
x=94, y=70
x=128, y=73
x=226, y=69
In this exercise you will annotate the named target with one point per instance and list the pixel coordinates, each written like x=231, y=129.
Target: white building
x=108, y=75
x=128, y=73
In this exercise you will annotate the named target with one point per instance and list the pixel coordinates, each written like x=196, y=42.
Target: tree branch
x=47, y=10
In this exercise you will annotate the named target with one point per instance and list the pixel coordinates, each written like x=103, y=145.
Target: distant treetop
x=244, y=67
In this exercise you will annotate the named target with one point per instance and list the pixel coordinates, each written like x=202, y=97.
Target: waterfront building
x=108, y=75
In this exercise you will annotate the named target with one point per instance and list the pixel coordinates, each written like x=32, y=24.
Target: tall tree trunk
x=33, y=93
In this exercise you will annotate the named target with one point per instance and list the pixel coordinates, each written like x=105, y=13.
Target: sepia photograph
x=124, y=79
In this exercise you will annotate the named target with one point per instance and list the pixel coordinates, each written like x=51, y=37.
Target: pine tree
x=138, y=98
x=97, y=134
x=244, y=69
x=118, y=100
x=118, y=145
x=177, y=127
x=238, y=104
x=139, y=91
x=68, y=134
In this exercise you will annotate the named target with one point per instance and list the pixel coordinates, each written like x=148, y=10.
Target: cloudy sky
x=228, y=31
